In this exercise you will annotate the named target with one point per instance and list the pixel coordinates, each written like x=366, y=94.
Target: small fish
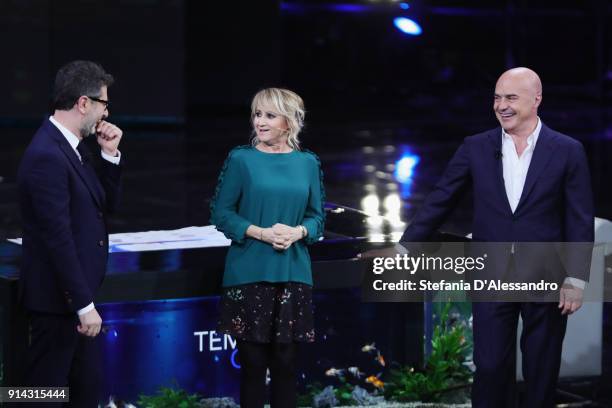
x=380, y=359
x=355, y=371
x=375, y=381
x=334, y=372
x=368, y=348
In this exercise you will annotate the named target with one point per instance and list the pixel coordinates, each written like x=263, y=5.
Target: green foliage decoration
x=444, y=369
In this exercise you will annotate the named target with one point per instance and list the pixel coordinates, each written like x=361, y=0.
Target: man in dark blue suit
x=530, y=184
x=64, y=202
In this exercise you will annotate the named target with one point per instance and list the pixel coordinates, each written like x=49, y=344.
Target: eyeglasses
x=102, y=101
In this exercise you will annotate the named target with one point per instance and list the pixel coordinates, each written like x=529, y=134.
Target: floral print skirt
x=266, y=312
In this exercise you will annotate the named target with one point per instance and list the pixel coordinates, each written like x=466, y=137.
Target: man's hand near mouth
x=109, y=137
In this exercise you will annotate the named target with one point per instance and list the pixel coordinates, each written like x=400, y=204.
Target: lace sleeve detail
x=224, y=200
x=315, y=214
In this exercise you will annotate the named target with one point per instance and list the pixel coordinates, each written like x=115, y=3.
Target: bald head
x=526, y=77
x=518, y=94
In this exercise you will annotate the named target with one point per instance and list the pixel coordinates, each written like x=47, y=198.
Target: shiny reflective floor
x=383, y=168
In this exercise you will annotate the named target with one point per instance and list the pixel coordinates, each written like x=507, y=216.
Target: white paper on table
x=183, y=238
x=161, y=246
x=207, y=234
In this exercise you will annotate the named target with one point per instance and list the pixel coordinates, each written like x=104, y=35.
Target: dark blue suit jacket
x=556, y=204
x=63, y=208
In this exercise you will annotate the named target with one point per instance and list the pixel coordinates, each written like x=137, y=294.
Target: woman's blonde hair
x=287, y=104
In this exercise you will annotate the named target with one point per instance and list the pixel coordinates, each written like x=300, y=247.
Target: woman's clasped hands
x=281, y=236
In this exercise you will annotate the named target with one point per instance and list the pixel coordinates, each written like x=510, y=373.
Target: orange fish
x=375, y=381
x=380, y=359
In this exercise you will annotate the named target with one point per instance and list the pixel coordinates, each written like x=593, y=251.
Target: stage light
x=349, y=8
x=407, y=26
x=396, y=236
x=378, y=237
x=404, y=6
x=370, y=204
x=392, y=203
x=405, y=167
x=375, y=221
x=368, y=149
x=396, y=222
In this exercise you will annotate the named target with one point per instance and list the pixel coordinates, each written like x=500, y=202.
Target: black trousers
x=58, y=356
x=495, y=330
x=255, y=359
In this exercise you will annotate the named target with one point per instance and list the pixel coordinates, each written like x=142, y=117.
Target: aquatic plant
x=445, y=369
x=168, y=397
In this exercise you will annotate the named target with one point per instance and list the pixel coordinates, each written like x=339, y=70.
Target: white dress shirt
x=515, y=170
x=515, y=166
x=74, y=142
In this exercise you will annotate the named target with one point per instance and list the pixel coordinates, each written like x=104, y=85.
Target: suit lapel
x=542, y=154
x=495, y=139
x=87, y=175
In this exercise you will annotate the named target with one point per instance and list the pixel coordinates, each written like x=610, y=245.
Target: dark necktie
x=84, y=152
x=88, y=169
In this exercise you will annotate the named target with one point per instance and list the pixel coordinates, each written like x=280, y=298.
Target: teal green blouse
x=263, y=189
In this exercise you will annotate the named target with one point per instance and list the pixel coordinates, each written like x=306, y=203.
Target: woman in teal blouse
x=270, y=202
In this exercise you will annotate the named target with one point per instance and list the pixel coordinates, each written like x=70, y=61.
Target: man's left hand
x=108, y=136
x=570, y=299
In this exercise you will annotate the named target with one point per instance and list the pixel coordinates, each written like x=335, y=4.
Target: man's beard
x=88, y=129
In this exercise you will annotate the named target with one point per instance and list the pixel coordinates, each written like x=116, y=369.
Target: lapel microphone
x=498, y=154
x=281, y=130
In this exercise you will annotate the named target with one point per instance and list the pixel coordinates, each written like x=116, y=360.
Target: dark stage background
x=186, y=71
